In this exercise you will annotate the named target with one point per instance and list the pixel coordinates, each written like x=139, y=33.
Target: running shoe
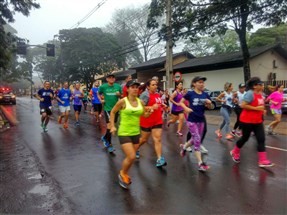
x=272, y=133
x=105, y=142
x=161, y=162
x=203, y=167
x=77, y=123
x=229, y=137
x=265, y=163
x=124, y=180
x=203, y=150
x=182, y=150
x=233, y=133
x=218, y=134
x=178, y=133
x=111, y=149
x=60, y=119
x=238, y=133
x=65, y=125
x=137, y=154
x=235, y=156
x=189, y=149
x=45, y=129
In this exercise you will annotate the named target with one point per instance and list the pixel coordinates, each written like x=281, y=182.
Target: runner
x=45, y=95
x=198, y=100
x=177, y=110
x=226, y=98
x=152, y=125
x=130, y=109
x=251, y=119
x=77, y=97
x=97, y=106
x=63, y=98
x=85, y=99
x=111, y=92
x=124, y=87
x=275, y=99
x=237, y=109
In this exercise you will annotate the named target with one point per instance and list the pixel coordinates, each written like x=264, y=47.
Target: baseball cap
x=110, y=75
x=198, y=78
x=241, y=85
x=132, y=82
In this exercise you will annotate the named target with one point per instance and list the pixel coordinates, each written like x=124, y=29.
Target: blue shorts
x=276, y=111
x=77, y=108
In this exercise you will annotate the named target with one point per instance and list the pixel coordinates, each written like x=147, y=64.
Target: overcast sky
x=54, y=15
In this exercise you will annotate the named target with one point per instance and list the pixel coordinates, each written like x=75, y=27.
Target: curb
x=9, y=116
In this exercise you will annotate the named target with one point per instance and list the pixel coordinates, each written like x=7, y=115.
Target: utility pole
x=168, y=64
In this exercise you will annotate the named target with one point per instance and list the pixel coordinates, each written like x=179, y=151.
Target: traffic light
x=21, y=48
x=50, y=50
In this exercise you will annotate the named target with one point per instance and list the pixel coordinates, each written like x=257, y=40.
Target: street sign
x=177, y=77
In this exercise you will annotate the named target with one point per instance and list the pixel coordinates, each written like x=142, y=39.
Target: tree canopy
x=191, y=18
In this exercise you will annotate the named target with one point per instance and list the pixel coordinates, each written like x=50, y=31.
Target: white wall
x=262, y=65
x=217, y=78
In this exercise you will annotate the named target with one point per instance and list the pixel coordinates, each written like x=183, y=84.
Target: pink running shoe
x=235, y=156
x=203, y=167
x=218, y=134
x=179, y=133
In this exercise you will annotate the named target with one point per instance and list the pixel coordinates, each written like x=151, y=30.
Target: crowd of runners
x=141, y=108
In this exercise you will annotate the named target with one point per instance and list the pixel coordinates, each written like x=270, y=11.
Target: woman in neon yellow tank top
x=130, y=109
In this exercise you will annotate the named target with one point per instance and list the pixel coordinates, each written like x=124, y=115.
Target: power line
x=89, y=14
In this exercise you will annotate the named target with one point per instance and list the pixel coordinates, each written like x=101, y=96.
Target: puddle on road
x=35, y=176
x=40, y=189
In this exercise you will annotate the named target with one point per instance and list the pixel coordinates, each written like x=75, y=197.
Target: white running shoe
x=203, y=150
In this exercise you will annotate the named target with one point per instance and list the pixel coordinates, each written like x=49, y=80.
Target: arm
x=100, y=98
x=219, y=98
x=39, y=97
x=119, y=105
x=186, y=109
x=246, y=106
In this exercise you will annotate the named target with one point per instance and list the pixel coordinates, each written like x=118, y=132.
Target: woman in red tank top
x=152, y=125
x=251, y=120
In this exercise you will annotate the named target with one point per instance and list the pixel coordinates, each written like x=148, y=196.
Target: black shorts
x=176, y=113
x=47, y=110
x=107, y=116
x=97, y=108
x=150, y=128
x=85, y=102
x=77, y=108
x=129, y=139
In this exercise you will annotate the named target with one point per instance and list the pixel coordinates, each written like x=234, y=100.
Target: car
x=284, y=104
x=213, y=95
x=7, y=96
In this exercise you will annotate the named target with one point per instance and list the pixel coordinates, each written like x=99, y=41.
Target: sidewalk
x=217, y=119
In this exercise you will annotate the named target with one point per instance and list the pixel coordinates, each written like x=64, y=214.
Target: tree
x=192, y=18
x=269, y=36
x=86, y=52
x=213, y=45
x=135, y=21
x=7, y=11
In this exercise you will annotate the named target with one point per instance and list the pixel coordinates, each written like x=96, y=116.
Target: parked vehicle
x=213, y=95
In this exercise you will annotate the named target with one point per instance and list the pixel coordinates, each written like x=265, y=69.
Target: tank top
x=156, y=117
x=130, y=119
x=228, y=99
x=77, y=100
x=252, y=116
x=177, y=99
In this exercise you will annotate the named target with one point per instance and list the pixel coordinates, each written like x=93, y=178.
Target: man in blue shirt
x=45, y=95
x=97, y=105
x=63, y=98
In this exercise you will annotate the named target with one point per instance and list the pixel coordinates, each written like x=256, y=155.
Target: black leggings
x=258, y=130
x=203, y=134
x=238, y=111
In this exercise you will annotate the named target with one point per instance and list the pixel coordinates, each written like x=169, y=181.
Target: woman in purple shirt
x=77, y=96
x=177, y=110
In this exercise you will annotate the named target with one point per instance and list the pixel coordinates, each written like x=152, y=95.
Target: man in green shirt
x=111, y=93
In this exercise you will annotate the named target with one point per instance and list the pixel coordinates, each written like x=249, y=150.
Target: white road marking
x=270, y=147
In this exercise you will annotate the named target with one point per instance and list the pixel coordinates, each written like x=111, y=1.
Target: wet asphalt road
x=69, y=172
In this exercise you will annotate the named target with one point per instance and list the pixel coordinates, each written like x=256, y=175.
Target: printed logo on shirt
x=260, y=101
x=197, y=102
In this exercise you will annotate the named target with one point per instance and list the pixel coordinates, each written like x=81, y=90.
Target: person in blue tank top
x=77, y=97
x=97, y=105
x=63, y=98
